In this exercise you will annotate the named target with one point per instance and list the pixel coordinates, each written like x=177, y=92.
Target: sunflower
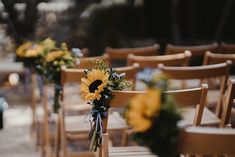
x=34, y=51
x=22, y=48
x=142, y=109
x=94, y=84
x=54, y=55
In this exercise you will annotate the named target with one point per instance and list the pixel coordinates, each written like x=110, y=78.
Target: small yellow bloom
x=48, y=44
x=64, y=46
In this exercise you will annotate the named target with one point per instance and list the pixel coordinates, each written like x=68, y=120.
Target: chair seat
x=81, y=123
x=134, y=151
x=71, y=106
x=208, y=117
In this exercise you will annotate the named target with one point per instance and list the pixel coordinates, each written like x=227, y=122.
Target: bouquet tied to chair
x=154, y=119
x=50, y=67
x=97, y=89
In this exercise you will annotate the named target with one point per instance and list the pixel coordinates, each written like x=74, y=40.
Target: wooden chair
x=228, y=101
x=197, y=141
x=198, y=52
x=207, y=141
x=227, y=48
x=85, y=62
x=120, y=54
x=202, y=73
x=215, y=58
x=197, y=95
x=153, y=61
x=191, y=102
x=73, y=127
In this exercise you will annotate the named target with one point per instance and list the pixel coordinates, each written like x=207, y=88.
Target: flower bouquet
x=97, y=88
x=30, y=52
x=153, y=117
x=50, y=68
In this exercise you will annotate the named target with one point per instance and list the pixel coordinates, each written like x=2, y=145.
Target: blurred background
x=96, y=24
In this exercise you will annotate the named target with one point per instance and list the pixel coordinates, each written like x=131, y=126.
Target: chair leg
x=57, y=139
x=63, y=141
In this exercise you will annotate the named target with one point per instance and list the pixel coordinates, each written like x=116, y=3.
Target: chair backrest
x=215, y=58
x=207, y=141
x=191, y=97
x=121, y=99
x=70, y=76
x=120, y=54
x=74, y=75
x=205, y=72
x=227, y=48
x=86, y=62
x=228, y=100
x=181, y=59
x=199, y=50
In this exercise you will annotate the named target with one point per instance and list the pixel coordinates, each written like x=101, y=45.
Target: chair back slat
x=190, y=97
x=198, y=50
x=122, y=53
x=197, y=72
x=153, y=61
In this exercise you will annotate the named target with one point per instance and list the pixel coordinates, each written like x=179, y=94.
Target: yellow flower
x=22, y=48
x=153, y=102
x=48, y=44
x=64, y=46
x=94, y=84
x=34, y=51
x=142, y=109
x=54, y=55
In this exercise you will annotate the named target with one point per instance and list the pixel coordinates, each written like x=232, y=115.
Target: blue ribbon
x=97, y=115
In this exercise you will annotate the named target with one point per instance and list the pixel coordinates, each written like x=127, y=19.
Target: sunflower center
x=94, y=86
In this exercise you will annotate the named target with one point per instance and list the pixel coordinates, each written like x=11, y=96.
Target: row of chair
x=183, y=59
x=121, y=54
x=195, y=96
x=68, y=132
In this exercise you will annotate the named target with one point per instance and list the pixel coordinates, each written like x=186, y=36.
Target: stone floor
x=15, y=138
